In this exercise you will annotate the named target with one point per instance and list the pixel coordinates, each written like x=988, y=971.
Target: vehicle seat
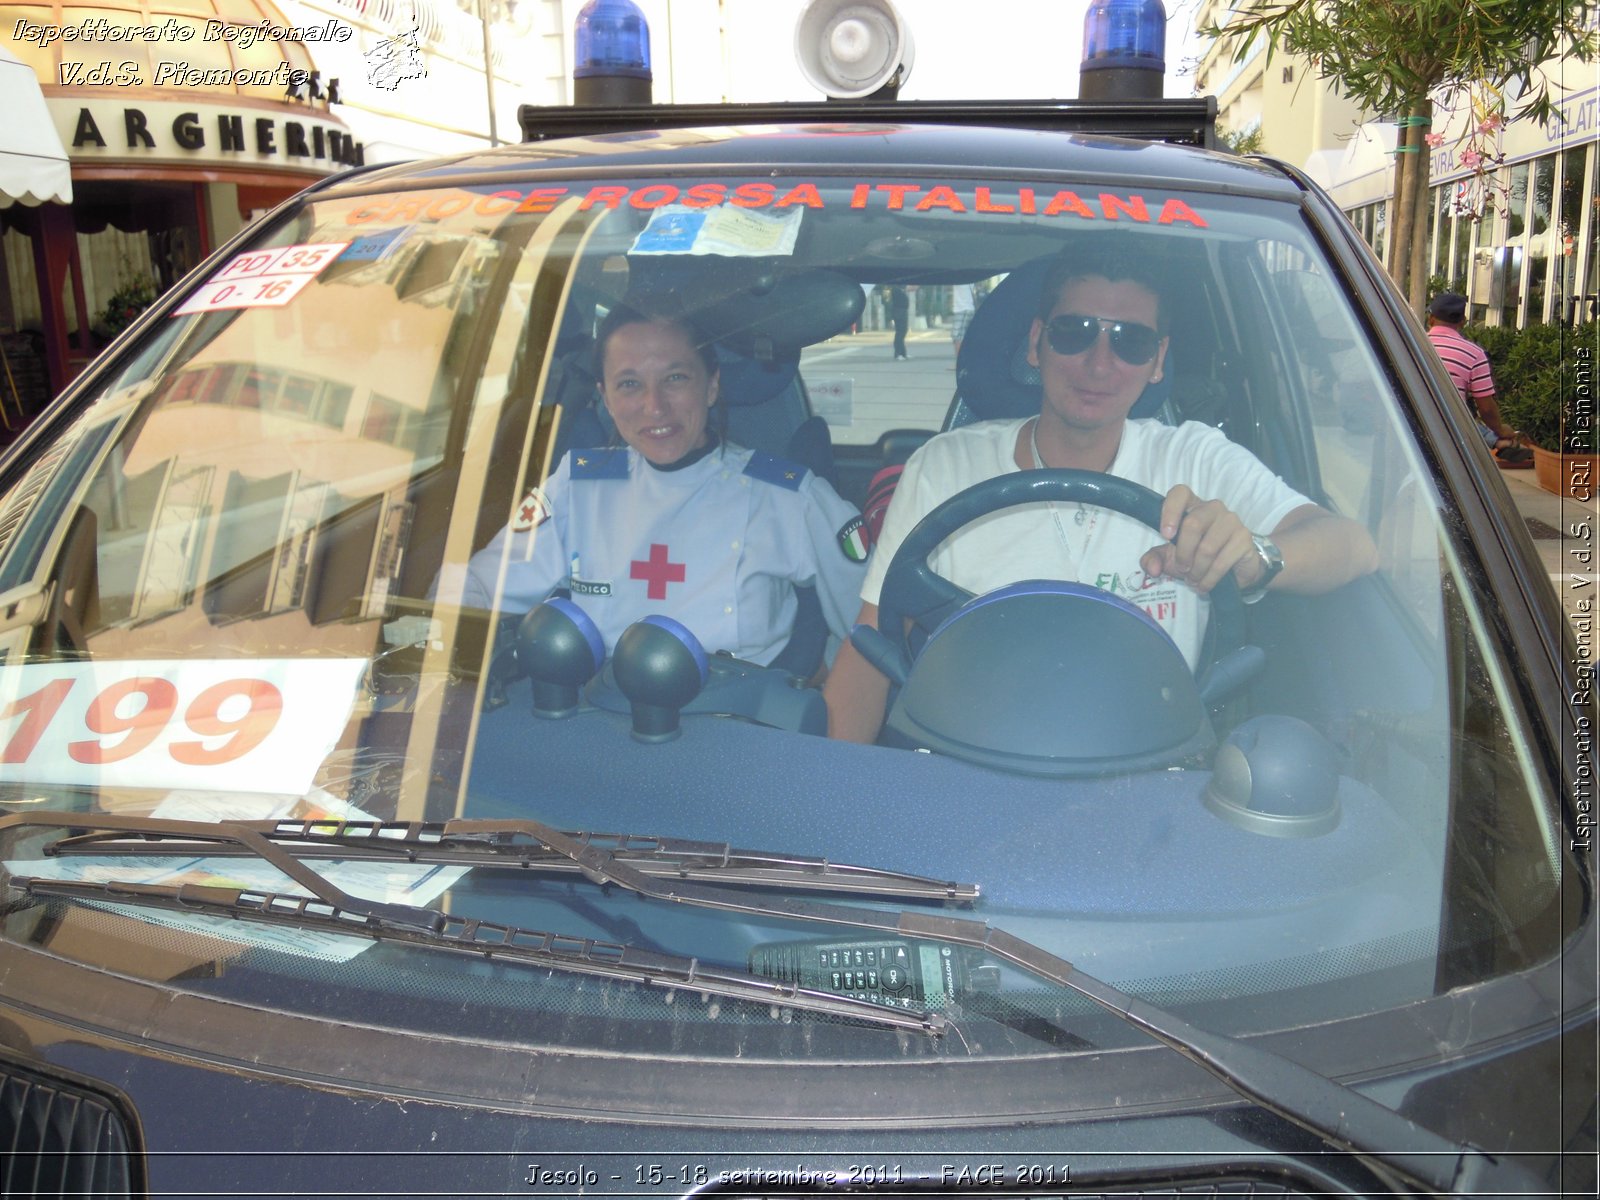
x=767, y=411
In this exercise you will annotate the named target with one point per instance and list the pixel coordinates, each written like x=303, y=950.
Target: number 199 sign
x=255, y=725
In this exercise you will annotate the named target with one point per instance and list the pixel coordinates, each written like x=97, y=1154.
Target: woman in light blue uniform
x=676, y=521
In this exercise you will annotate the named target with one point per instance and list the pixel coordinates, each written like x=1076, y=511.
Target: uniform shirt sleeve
x=838, y=577
x=537, y=559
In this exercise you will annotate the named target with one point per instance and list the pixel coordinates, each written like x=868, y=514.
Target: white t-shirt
x=1075, y=542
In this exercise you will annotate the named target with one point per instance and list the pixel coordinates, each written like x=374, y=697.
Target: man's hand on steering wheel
x=1205, y=540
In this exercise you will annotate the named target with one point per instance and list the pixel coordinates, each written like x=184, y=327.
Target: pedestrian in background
x=899, y=317
x=1469, y=369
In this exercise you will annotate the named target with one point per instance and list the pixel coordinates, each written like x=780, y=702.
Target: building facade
x=1521, y=241
x=1294, y=114
x=1518, y=239
x=185, y=119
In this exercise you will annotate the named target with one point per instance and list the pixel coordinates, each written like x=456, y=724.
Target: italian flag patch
x=853, y=540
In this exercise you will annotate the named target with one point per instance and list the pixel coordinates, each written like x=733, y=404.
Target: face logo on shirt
x=533, y=512
x=1158, y=597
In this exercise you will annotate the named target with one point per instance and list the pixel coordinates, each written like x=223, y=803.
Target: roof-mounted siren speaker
x=1124, y=50
x=853, y=49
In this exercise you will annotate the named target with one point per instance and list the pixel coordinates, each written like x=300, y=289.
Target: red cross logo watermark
x=657, y=571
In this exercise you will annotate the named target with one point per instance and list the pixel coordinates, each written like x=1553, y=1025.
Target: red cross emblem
x=657, y=571
x=532, y=512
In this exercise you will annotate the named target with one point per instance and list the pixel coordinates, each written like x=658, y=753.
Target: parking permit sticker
x=262, y=278
x=735, y=232
x=371, y=247
x=249, y=725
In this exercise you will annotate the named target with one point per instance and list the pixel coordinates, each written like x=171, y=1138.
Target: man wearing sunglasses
x=1098, y=340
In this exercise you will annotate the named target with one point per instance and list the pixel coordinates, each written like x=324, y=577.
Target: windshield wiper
x=485, y=939
x=330, y=909
x=525, y=845
x=1327, y=1109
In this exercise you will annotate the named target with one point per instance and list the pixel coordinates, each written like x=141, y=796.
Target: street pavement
x=1566, y=533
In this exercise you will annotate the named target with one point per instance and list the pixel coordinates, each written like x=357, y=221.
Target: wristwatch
x=1271, y=564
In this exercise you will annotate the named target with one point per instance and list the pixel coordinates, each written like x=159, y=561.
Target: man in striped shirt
x=1469, y=368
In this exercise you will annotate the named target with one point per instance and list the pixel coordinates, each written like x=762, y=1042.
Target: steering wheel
x=913, y=590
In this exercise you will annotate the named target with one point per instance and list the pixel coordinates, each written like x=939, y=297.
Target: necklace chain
x=1073, y=556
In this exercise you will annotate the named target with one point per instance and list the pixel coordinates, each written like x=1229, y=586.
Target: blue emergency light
x=612, y=54
x=612, y=38
x=1124, y=50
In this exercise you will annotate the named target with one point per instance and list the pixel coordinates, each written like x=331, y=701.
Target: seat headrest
x=751, y=306
x=993, y=375
x=781, y=318
x=746, y=382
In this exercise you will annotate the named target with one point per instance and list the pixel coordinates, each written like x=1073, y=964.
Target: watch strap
x=1271, y=567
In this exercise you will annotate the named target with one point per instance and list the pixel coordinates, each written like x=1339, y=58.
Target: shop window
x=1481, y=285
x=1592, y=273
x=1544, y=179
x=1540, y=200
x=186, y=387
x=312, y=399
x=1517, y=201
x=1505, y=283
x=1429, y=242
x=1463, y=251
x=259, y=389
x=299, y=396
x=391, y=422
x=1538, y=272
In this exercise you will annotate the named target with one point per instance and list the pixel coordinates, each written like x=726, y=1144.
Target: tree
x=1395, y=56
x=1240, y=143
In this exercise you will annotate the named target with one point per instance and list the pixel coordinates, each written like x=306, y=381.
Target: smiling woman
x=658, y=377
x=675, y=520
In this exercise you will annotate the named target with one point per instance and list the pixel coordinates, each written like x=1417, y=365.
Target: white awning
x=33, y=166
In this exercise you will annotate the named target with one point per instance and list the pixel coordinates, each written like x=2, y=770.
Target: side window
x=895, y=370
x=1339, y=390
x=1364, y=467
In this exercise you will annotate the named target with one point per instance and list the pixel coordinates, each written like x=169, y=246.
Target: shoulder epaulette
x=608, y=463
x=770, y=469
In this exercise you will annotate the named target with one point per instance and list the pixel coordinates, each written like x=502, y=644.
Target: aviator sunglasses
x=1073, y=333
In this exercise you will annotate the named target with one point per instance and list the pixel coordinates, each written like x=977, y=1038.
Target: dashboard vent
x=61, y=1138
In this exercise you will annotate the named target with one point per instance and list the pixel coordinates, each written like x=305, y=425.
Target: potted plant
x=126, y=303
x=1548, y=393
